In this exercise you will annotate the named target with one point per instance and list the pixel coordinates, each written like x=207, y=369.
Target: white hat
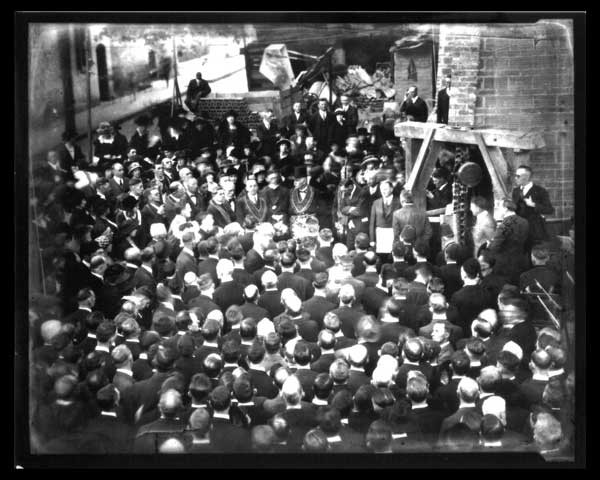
x=264, y=327
x=250, y=290
x=513, y=348
x=357, y=354
x=293, y=302
x=157, y=229
x=189, y=278
x=496, y=406
x=382, y=375
x=489, y=315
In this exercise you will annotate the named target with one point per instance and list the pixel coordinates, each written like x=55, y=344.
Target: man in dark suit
x=370, y=277
x=318, y=305
x=382, y=212
x=109, y=430
x=219, y=209
x=225, y=436
x=468, y=393
x=410, y=215
x=229, y=292
x=144, y=275
x=297, y=117
x=300, y=415
x=270, y=299
x=288, y=279
x=422, y=418
x=70, y=153
x=145, y=393
x=446, y=395
x=186, y=260
x=326, y=342
x=321, y=125
x=546, y=276
x=510, y=243
x=197, y=88
x=347, y=312
x=265, y=387
x=119, y=184
x=441, y=195
x=350, y=114
x=442, y=106
x=450, y=271
x=414, y=107
x=352, y=203
x=472, y=298
x=532, y=203
x=249, y=308
x=209, y=248
x=324, y=251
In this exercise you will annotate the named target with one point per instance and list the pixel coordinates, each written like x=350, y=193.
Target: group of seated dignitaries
x=180, y=316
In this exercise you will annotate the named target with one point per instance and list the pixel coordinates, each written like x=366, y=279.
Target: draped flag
x=276, y=66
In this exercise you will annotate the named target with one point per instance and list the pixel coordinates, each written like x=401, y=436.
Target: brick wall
x=520, y=77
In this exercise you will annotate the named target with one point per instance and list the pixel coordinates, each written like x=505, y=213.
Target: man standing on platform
x=532, y=203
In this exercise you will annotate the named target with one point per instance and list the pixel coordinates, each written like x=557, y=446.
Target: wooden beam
x=419, y=190
x=498, y=183
x=501, y=165
x=419, y=162
x=491, y=137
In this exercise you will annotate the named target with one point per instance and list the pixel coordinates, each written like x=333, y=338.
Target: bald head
x=171, y=445
x=170, y=403
x=468, y=390
x=292, y=390
x=49, y=329
x=269, y=279
x=358, y=355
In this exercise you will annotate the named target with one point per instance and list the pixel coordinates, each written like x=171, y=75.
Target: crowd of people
x=213, y=289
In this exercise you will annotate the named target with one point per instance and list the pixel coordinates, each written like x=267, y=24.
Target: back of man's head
x=170, y=403
x=492, y=429
x=460, y=363
x=326, y=340
x=200, y=387
x=330, y=421
x=315, y=441
x=280, y=427
x=541, y=359
x=302, y=353
x=199, y=421
x=413, y=350
x=262, y=439
x=471, y=268
x=339, y=371
x=379, y=436
x=489, y=378
x=495, y=405
x=291, y=390
x=468, y=390
x=547, y=432
x=322, y=386
x=417, y=390
x=220, y=398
